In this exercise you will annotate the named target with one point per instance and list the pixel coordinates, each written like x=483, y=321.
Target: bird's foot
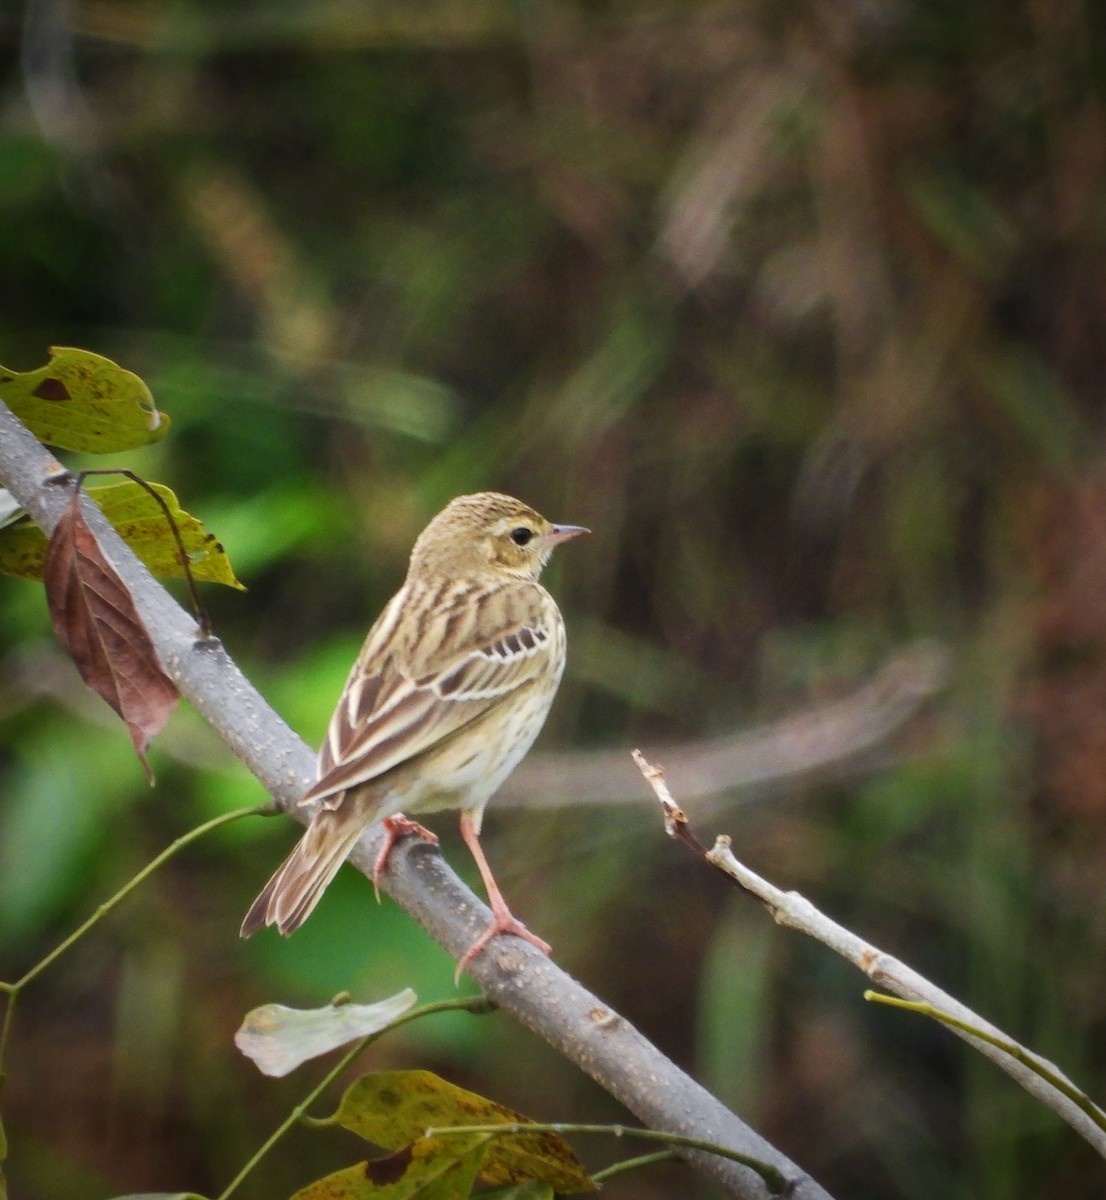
x=396, y=827
x=502, y=922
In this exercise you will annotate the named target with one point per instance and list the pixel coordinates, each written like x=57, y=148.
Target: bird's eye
x=521, y=536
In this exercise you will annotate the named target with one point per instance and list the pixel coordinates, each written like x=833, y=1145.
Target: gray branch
x=524, y=983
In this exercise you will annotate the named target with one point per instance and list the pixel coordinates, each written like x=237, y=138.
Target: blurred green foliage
x=803, y=311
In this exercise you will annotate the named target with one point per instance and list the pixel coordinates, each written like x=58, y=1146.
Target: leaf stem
x=632, y=1164
x=772, y=1177
x=1026, y=1057
x=102, y=911
x=202, y=619
x=11, y=990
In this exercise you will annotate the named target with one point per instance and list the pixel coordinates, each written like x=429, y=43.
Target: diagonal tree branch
x=519, y=978
x=1037, y=1075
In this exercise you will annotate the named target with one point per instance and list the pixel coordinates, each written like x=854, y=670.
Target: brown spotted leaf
x=96, y=621
x=140, y=522
x=83, y=401
x=424, y=1171
x=394, y=1109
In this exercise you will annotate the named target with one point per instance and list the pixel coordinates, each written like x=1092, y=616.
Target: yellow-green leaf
x=426, y=1171
x=22, y=549
x=140, y=522
x=520, y=1191
x=394, y=1108
x=85, y=402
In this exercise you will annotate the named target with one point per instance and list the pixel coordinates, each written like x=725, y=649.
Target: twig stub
x=675, y=819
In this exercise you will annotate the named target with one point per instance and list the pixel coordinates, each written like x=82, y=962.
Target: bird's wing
x=436, y=660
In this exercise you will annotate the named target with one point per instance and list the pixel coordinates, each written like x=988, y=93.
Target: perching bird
x=450, y=689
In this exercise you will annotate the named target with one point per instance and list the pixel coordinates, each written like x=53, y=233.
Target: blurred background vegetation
x=802, y=309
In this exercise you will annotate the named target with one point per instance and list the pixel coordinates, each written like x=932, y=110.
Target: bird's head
x=489, y=532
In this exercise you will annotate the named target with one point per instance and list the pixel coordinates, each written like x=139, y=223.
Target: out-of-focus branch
x=518, y=977
x=816, y=742
x=824, y=742
x=796, y=912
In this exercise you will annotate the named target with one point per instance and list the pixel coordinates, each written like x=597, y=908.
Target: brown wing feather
x=416, y=685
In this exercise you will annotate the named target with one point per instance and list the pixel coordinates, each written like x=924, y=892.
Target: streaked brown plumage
x=449, y=691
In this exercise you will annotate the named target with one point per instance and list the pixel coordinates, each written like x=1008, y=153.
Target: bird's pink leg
x=396, y=827
x=503, y=921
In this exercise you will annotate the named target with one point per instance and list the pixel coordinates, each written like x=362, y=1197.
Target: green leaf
x=394, y=1108
x=138, y=519
x=444, y=1169
x=85, y=402
x=279, y=1039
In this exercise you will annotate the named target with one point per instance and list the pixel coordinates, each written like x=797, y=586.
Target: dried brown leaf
x=96, y=621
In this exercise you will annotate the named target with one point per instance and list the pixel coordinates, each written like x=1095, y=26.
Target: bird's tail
x=287, y=900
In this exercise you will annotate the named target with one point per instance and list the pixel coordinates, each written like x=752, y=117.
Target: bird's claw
x=396, y=827
x=501, y=923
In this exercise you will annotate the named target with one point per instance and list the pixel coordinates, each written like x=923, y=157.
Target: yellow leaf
x=394, y=1108
x=140, y=522
x=423, y=1172
x=520, y=1191
x=85, y=402
x=22, y=549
